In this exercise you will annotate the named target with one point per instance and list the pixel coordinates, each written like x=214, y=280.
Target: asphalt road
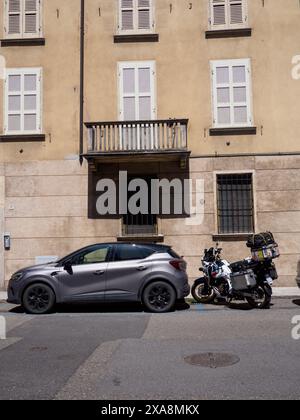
x=120, y=352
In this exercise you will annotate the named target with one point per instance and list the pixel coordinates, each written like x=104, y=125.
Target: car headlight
x=16, y=277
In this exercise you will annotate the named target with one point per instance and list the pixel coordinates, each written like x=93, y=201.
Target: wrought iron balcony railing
x=137, y=136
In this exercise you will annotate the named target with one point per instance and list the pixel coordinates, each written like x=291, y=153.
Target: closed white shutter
x=135, y=16
x=31, y=17
x=218, y=13
x=144, y=14
x=137, y=91
x=23, y=18
x=226, y=14
x=236, y=14
x=231, y=93
x=14, y=21
x=23, y=101
x=127, y=15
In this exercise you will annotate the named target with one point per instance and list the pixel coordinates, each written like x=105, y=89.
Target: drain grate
x=212, y=360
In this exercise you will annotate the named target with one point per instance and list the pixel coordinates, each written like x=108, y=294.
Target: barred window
x=140, y=224
x=235, y=203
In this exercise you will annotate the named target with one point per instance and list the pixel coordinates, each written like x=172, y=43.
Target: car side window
x=92, y=256
x=131, y=252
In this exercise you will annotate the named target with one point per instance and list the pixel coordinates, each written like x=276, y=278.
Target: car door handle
x=99, y=273
x=142, y=268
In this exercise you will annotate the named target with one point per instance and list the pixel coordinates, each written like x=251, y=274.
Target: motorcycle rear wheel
x=262, y=299
x=197, y=294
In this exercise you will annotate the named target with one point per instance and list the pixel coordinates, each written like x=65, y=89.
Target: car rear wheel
x=38, y=299
x=159, y=297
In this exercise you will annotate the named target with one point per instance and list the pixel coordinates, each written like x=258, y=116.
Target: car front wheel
x=159, y=297
x=38, y=299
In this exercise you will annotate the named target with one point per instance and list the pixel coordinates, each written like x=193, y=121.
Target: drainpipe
x=81, y=116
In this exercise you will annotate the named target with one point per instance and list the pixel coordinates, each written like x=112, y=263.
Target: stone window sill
x=228, y=33
x=234, y=131
x=23, y=42
x=235, y=237
x=22, y=138
x=122, y=39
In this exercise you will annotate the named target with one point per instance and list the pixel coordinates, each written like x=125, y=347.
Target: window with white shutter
x=137, y=91
x=228, y=14
x=136, y=16
x=231, y=93
x=23, y=18
x=23, y=101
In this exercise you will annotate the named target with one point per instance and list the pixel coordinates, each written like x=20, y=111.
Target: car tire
x=159, y=297
x=38, y=299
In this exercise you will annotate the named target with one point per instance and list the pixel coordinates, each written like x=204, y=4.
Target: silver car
x=148, y=273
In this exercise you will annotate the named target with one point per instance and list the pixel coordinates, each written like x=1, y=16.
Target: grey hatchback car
x=151, y=274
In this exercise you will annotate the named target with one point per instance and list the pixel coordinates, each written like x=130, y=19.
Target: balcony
x=146, y=140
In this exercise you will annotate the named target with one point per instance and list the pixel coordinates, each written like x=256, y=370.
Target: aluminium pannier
x=243, y=280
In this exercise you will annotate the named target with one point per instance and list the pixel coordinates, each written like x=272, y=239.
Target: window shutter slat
x=14, y=6
x=127, y=15
x=144, y=19
x=14, y=17
x=228, y=13
x=236, y=13
x=135, y=15
x=127, y=20
x=218, y=12
x=31, y=17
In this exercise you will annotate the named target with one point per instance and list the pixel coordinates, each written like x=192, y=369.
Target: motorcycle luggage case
x=243, y=280
x=260, y=240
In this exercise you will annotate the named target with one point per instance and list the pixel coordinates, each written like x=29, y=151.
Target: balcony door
x=137, y=102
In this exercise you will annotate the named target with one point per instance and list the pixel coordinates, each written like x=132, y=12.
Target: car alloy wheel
x=159, y=297
x=38, y=299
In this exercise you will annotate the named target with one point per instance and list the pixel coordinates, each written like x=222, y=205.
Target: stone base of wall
x=46, y=207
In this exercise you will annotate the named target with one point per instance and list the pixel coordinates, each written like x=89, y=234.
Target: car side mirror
x=68, y=267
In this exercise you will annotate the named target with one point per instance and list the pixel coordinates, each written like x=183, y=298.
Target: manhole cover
x=212, y=360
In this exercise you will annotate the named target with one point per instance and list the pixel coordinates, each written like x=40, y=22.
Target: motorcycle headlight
x=16, y=277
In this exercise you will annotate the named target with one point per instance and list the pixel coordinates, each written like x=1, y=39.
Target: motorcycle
x=250, y=279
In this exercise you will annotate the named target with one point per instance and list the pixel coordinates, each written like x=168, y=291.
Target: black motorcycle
x=250, y=279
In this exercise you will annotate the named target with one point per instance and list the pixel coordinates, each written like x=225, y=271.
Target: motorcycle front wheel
x=261, y=298
x=197, y=290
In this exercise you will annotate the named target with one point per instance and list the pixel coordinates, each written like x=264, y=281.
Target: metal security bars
x=235, y=203
x=140, y=225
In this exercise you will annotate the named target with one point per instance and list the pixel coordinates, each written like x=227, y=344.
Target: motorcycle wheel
x=197, y=294
x=262, y=299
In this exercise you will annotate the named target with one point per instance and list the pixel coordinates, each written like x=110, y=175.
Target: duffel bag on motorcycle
x=260, y=240
x=243, y=280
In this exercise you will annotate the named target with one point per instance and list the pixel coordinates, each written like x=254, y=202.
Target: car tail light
x=179, y=265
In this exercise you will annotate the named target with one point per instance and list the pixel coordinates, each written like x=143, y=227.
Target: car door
x=85, y=280
x=126, y=272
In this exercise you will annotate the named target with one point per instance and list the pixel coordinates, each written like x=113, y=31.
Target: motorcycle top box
x=260, y=240
x=243, y=280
